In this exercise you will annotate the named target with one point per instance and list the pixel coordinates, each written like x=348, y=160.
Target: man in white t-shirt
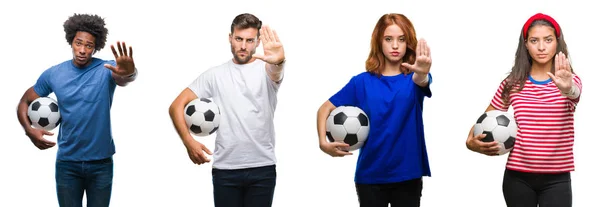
x=245, y=89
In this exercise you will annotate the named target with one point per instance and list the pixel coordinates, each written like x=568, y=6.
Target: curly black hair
x=92, y=24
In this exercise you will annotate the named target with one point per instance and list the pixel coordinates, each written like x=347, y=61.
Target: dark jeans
x=530, y=189
x=251, y=187
x=93, y=177
x=402, y=194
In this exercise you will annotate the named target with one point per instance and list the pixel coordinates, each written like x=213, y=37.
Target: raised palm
x=563, y=76
x=422, y=63
x=272, y=47
x=125, y=65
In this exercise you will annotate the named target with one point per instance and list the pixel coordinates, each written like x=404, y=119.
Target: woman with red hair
x=391, y=91
x=543, y=91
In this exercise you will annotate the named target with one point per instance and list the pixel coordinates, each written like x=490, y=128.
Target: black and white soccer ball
x=202, y=117
x=498, y=126
x=348, y=124
x=43, y=113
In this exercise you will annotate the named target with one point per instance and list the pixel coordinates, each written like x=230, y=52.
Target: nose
x=81, y=50
x=395, y=44
x=541, y=47
x=243, y=45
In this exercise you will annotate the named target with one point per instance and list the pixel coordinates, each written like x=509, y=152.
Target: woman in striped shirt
x=545, y=91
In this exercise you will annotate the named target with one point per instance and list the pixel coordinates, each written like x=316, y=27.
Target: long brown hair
x=522, y=67
x=376, y=61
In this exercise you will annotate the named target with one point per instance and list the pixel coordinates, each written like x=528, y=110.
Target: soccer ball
x=498, y=126
x=202, y=117
x=43, y=113
x=348, y=124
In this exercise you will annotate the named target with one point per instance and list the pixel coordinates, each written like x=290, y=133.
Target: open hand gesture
x=423, y=62
x=272, y=47
x=563, y=75
x=125, y=65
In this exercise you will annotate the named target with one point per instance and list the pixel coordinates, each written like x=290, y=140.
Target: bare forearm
x=421, y=79
x=469, y=136
x=322, y=116
x=22, y=114
x=275, y=71
x=176, y=113
x=29, y=96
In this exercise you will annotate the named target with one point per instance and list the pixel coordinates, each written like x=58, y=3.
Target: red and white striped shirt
x=544, y=142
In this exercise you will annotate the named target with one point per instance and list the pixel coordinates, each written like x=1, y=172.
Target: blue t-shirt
x=395, y=147
x=84, y=97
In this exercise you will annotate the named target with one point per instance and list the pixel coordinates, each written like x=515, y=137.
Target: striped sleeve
x=497, y=102
x=577, y=82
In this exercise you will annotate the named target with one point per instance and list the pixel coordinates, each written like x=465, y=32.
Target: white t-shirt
x=247, y=99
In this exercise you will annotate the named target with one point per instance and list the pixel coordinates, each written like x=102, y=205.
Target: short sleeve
x=347, y=95
x=202, y=85
x=43, y=87
x=497, y=101
x=110, y=72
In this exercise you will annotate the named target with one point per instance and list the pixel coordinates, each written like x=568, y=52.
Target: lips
x=81, y=58
x=395, y=53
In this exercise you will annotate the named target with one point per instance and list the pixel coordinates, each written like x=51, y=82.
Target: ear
x=230, y=36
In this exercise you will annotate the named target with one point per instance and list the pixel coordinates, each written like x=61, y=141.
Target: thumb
x=110, y=67
x=408, y=66
x=480, y=136
x=205, y=149
x=258, y=56
x=551, y=76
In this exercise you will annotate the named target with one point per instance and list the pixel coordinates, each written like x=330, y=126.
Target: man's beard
x=241, y=60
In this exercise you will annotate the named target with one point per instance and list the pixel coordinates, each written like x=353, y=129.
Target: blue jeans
x=251, y=187
x=93, y=177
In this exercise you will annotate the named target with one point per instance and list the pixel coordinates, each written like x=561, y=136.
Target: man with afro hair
x=84, y=87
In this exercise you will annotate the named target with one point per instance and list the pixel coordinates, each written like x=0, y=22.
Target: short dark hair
x=92, y=24
x=245, y=21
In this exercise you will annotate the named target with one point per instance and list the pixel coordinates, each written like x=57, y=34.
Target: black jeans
x=251, y=187
x=402, y=194
x=530, y=189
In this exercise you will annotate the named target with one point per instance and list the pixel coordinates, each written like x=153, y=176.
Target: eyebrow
x=391, y=36
x=243, y=38
x=80, y=40
x=542, y=37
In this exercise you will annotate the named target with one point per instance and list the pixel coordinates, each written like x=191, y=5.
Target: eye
x=387, y=39
x=250, y=40
x=402, y=39
x=238, y=39
x=549, y=40
x=89, y=46
x=533, y=40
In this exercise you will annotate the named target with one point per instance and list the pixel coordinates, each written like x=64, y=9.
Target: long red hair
x=376, y=61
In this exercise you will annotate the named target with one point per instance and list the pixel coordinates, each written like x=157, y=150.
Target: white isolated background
x=326, y=43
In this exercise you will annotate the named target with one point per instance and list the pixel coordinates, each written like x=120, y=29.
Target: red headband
x=539, y=16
